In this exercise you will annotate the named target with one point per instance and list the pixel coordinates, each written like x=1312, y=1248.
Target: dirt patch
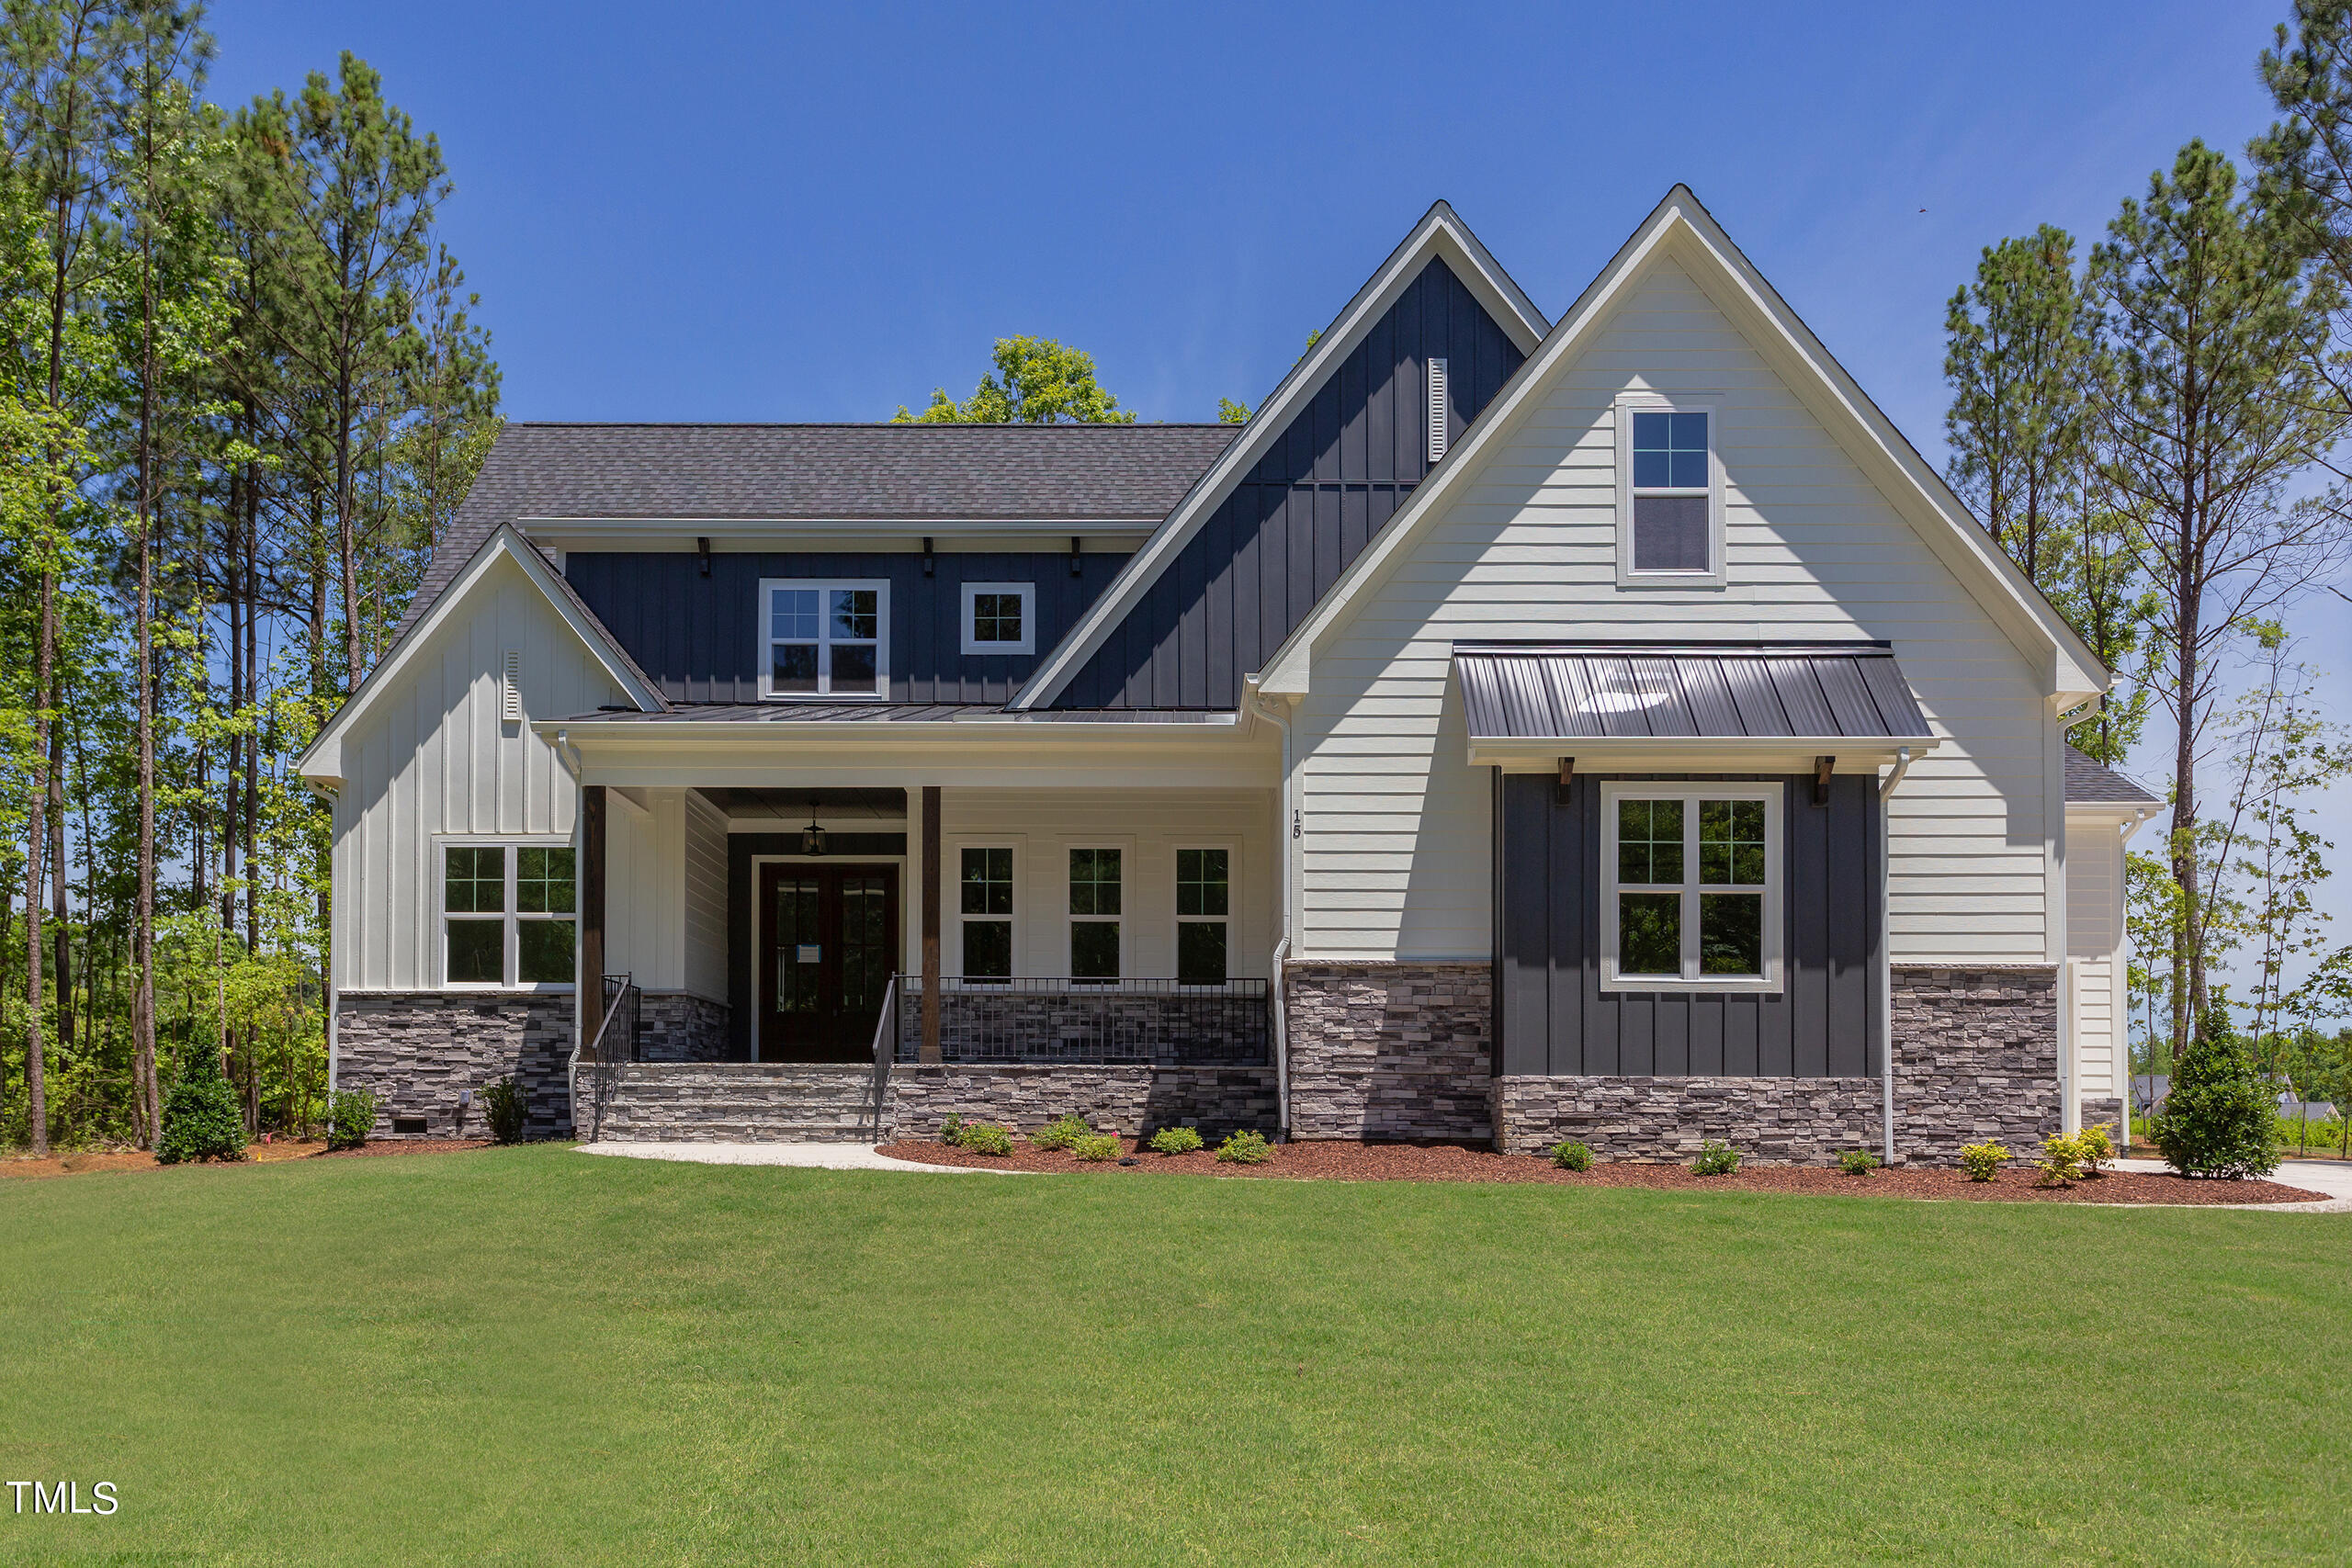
x=271, y=1153
x=1334, y=1160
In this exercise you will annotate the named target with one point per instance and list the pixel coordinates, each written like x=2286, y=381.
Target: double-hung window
x=1095, y=877
x=508, y=915
x=1669, y=493
x=984, y=890
x=1203, y=906
x=999, y=617
x=824, y=639
x=1691, y=887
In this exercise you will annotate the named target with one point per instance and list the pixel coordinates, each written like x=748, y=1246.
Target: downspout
x=1886, y=958
x=1286, y=859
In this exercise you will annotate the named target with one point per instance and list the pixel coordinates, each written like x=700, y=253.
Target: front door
x=832, y=946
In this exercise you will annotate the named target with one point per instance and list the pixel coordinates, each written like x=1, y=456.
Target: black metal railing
x=1160, y=1022
x=597, y=1063
x=886, y=1045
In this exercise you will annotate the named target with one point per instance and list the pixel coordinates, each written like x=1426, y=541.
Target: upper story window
x=1691, y=887
x=1669, y=493
x=999, y=617
x=824, y=639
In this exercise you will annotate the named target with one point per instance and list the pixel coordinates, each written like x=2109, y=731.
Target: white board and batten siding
x=437, y=757
x=2094, y=936
x=1396, y=851
x=665, y=891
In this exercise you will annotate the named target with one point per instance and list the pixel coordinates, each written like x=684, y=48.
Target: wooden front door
x=830, y=944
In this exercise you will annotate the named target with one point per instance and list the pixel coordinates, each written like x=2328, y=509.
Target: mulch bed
x=1334, y=1160
x=255, y=1154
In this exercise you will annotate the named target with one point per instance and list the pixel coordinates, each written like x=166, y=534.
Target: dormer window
x=824, y=639
x=998, y=617
x=1669, y=493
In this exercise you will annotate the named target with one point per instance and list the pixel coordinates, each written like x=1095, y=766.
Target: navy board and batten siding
x=1551, y=1015
x=699, y=637
x=1336, y=474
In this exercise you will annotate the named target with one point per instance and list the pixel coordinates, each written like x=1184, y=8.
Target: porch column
x=931, y=857
x=591, y=910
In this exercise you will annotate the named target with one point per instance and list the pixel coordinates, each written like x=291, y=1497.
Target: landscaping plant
x=504, y=1104
x=2219, y=1113
x=1176, y=1140
x=1244, y=1147
x=1984, y=1161
x=1715, y=1158
x=984, y=1138
x=1857, y=1162
x=201, y=1116
x=351, y=1116
x=1572, y=1155
x=1061, y=1133
x=1096, y=1147
x=2060, y=1161
x=950, y=1127
x=2097, y=1149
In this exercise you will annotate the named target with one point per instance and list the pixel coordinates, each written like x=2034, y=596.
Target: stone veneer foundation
x=419, y=1050
x=1975, y=1058
x=2108, y=1113
x=752, y=1102
x=1126, y=1099
x=1392, y=1051
x=678, y=1026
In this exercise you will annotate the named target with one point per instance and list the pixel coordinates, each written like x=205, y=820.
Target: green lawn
x=533, y=1356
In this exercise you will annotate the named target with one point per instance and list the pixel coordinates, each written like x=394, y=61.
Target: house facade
x=1606, y=728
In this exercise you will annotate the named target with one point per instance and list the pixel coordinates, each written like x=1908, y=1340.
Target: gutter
x=1887, y=956
x=1286, y=836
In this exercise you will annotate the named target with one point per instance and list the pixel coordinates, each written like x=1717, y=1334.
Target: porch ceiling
x=793, y=805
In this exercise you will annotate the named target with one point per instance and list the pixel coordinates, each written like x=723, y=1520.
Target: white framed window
x=509, y=915
x=1669, y=492
x=824, y=639
x=1097, y=910
x=986, y=879
x=1691, y=887
x=1204, y=914
x=999, y=617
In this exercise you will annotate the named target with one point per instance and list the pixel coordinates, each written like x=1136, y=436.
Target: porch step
x=747, y=1102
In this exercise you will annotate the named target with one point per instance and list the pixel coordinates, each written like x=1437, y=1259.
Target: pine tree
x=201, y=1120
x=2220, y=1118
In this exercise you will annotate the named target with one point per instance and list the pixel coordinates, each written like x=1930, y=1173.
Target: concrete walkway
x=2331, y=1176
x=817, y=1157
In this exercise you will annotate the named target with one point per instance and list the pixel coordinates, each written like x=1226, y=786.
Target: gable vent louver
x=510, y=706
x=1437, y=409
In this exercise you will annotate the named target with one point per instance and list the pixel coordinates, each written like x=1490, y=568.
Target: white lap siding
x=1396, y=851
x=433, y=757
x=2095, y=944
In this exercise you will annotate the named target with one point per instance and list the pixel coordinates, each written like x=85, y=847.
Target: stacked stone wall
x=727, y=1103
x=1133, y=1100
x=677, y=1026
x=1390, y=1051
x=420, y=1050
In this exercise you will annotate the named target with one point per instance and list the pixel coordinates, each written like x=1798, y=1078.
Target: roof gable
x=1681, y=233
x=1440, y=292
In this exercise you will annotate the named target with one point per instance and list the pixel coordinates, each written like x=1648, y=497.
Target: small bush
x=1244, y=1147
x=1097, y=1146
x=1715, y=1158
x=1061, y=1133
x=504, y=1104
x=1983, y=1161
x=201, y=1120
x=351, y=1116
x=1176, y=1140
x=1572, y=1155
x=950, y=1127
x=2060, y=1161
x=2097, y=1149
x=984, y=1138
x=2219, y=1112
x=1857, y=1162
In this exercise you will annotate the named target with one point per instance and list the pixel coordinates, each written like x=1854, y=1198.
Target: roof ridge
x=861, y=424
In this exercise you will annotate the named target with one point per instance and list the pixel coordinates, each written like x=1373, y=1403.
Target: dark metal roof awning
x=1650, y=691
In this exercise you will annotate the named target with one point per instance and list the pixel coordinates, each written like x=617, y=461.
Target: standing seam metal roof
x=1636, y=691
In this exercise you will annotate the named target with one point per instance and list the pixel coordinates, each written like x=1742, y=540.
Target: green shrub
x=1061, y=1133
x=504, y=1104
x=1096, y=1147
x=2097, y=1148
x=950, y=1127
x=1176, y=1140
x=2060, y=1161
x=351, y=1116
x=1857, y=1162
x=1715, y=1158
x=2219, y=1112
x=1572, y=1155
x=201, y=1119
x=984, y=1138
x=1244, y=1147
x=1983, y=1161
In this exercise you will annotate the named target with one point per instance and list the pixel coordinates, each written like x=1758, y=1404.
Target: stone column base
x=1392, y=1051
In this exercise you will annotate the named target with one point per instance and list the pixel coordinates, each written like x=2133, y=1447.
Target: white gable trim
x=1680, y=225
x=322, y=762
x=1439, y=234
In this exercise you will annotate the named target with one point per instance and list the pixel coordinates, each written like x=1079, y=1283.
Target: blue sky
x=774, y=212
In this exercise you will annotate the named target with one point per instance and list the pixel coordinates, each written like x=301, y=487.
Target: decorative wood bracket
x=1568, y=777
x=1822, y=768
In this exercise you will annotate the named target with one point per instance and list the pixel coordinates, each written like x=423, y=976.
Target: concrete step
x=732, y=1102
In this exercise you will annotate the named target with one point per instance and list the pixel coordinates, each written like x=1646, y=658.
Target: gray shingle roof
x=2092, y=781
x=1131, y=473
x=1621, y=690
